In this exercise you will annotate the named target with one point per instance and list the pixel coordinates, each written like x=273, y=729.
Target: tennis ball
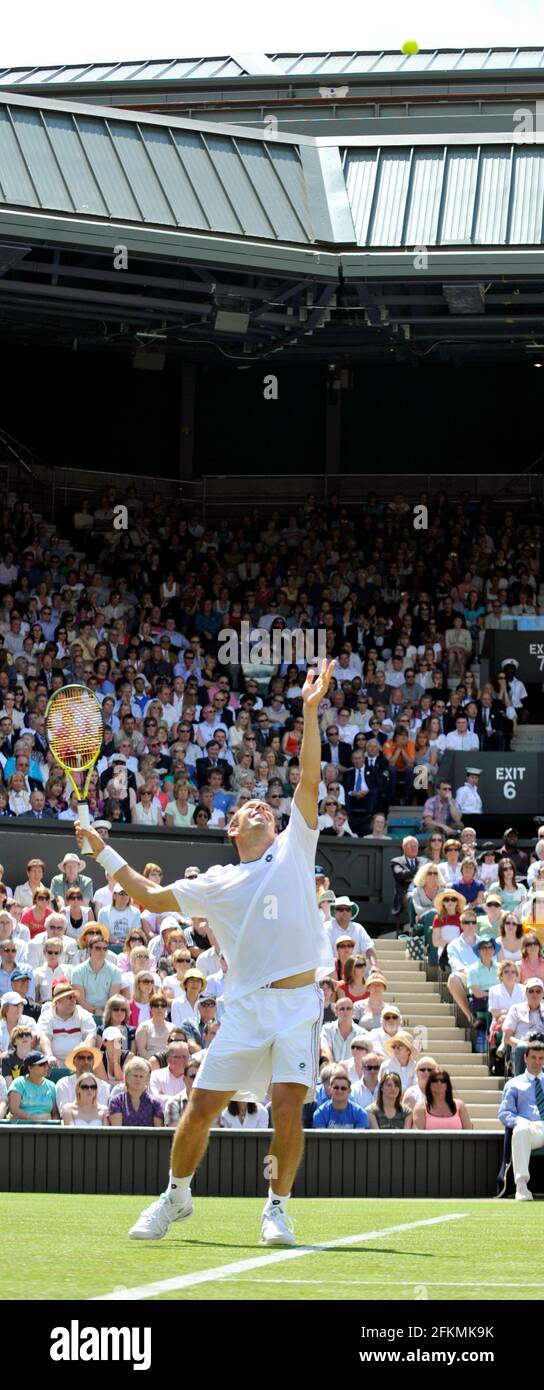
x=410, y=46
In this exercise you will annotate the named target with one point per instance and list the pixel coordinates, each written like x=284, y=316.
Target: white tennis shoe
x=276, y=1227
x=522, y=1193
x=156, y=1220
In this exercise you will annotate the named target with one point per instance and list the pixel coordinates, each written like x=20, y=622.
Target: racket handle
x=85, y=821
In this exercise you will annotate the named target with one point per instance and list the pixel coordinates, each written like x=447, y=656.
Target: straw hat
x=400, y=1037
x=461, y=902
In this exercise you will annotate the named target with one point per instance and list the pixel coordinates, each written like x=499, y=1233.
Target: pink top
x=443, y=1121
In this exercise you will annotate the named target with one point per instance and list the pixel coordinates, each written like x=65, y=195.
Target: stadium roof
x=87, y=167
x=291, y=233
x=233, y=67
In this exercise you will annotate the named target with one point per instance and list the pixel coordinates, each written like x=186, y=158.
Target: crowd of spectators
x=106, y=1010
x=137, y=614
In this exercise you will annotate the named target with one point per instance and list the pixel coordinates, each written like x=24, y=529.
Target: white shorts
x=268, y=1036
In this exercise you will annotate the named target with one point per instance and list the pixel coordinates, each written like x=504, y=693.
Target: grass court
x=76, y=1247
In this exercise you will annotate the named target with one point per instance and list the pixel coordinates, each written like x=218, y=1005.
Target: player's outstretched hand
x=90, y=837
x=317, y=683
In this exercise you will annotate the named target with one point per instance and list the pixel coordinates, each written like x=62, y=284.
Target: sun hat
x=70, y=858
x=194, y=975
x=400, y=1037
x=461, y=902
x=63, y=988
x=93, y=927
x=110, y=1033
x=10, y=997
x=375, y=978
x=344, y=901
x=83, y=1047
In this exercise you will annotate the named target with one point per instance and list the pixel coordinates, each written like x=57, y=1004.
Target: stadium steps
x=529, y=739
x=421, y=1006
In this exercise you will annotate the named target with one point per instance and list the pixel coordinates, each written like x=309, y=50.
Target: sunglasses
x=75, y=897
x=159, y=1006
x=42, y=897
x=340, y=1089
x=388, y=1018
x=86, y=1087
x=371, y=1067
x=26, y=1035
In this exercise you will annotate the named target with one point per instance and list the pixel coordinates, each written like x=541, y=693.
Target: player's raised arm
x=306, y=794
x=140, y=888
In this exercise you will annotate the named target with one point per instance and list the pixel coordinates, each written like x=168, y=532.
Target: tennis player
x=264, y=914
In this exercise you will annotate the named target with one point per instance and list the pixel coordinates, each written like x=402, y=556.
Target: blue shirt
x=469, y=890
x=353, y=1117
x=519, y=1100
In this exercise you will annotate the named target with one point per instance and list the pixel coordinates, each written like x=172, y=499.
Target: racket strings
x=74, y=727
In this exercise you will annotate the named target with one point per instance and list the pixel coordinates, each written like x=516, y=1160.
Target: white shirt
x=517, y=692
x=66, y=1033
x=70, y=954
x=183, y=1012
x=66, y=1091
x=449, y=874
x=462, y=743
x=259, y=1120
x=363, y=942
x=469, y=800
x=407, y=1074
x=263, y=913
x=499, y=998
x=103, y=897
x=339, y=1046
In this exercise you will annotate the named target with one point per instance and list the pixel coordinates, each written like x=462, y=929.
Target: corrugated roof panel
x=178, y=189
x=15, y=182
x=77, y=172
x=37, y=75
x=99, y=72
x=203, y=172
x=500, y=58
x=358, y=62
x=231, y=167
x=493, y=195
x=528, y=58
x=64, y=75
x=361, y=172
x=31, y=135
x=526, y=220
x=444, y=62
x=421, y=221
x=475, y=60
x=389, y=62
x=458, y=197
x=387, y=218
x=123, y=72
x=108, y=171
x=140, y=173
x=276, y=175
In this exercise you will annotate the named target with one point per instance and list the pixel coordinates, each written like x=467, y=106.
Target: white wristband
x=110, y=861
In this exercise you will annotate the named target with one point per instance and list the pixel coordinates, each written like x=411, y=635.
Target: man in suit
x=492, y=724
x=212, y=761
x=404, y=868
x=360, y=801
x=376, y=770
x=335, y=750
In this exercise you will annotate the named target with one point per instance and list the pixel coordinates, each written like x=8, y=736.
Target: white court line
x=399, y=1283
x=209, y=1276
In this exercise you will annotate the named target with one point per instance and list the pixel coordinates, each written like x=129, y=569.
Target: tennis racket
x=75, y=726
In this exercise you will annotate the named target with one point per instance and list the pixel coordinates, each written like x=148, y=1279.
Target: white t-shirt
x=263, y=913
x=499, y=998
x=103, y=897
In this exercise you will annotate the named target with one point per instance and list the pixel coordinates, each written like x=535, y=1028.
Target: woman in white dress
x=85, y=1112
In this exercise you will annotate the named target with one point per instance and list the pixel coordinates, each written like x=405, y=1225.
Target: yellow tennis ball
x=410, y=46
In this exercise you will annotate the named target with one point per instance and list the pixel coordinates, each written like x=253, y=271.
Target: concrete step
x=473, y=1097
x=494, y=1125
x=481, y=1110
